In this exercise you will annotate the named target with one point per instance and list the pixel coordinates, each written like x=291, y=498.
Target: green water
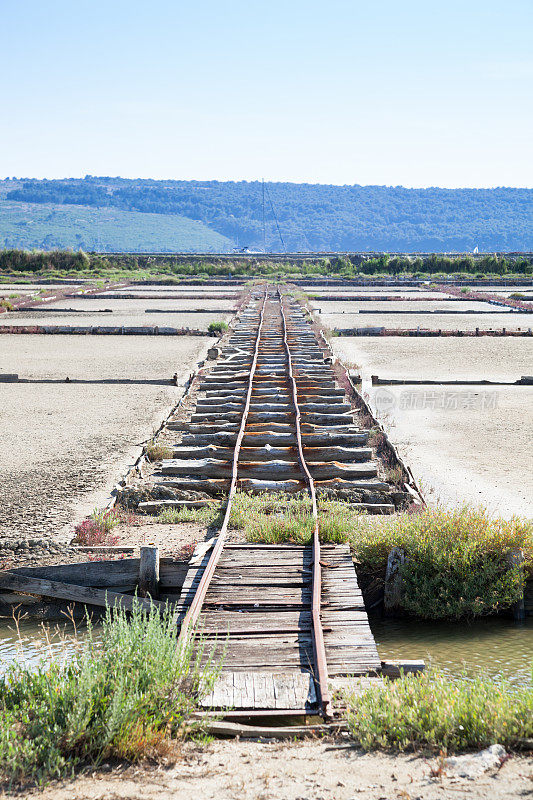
x=499, y=647
x=33, y=642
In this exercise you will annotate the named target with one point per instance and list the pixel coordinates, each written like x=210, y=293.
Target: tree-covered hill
x=52, y=226
x=311, y=217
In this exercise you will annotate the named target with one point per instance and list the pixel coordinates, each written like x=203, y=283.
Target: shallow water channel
x=499, y=647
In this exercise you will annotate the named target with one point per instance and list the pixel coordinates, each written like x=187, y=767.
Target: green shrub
x=431, y=710
x=124, y=694
x=457, y=561
x=217, y=327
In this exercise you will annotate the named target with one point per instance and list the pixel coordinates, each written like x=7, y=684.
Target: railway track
x=286, y=619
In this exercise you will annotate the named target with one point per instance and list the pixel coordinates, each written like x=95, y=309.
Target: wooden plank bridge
x=285, y=619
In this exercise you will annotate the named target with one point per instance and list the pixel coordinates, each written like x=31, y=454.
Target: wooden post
x=516, y=559
x=392, y=596
x=149, y=572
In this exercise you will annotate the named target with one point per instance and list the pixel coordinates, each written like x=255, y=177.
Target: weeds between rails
x=457, y=561
x=127, y=693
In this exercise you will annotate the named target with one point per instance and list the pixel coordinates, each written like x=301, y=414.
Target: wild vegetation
x=432, y=711
x=156, y=452
x=126, y=692
x=305, y=217
x=206, y=515
x=217, y=327
x=172, y=269
x=97, y=529
x=457, y=561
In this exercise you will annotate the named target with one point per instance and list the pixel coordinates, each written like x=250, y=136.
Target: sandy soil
x=481, y=434
x=308, y=770
x=138, y=305
x=485, y=450
x=504, y=290
x=171, y=539
x=410, y=291
x=447, y=322
x=125, y=312
x=133, y=319
x=63, y=446
x=186, y=288
x=438, y=358
x=338, y=306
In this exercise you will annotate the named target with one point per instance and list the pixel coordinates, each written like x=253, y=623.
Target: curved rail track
x=273, y=419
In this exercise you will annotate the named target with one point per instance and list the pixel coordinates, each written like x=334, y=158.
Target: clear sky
x=388, y=92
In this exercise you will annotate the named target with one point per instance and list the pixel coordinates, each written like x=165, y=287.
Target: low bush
x=217, y=327
x=7, y=305
x=127, y=693
x=456, y=561
x=430, y=710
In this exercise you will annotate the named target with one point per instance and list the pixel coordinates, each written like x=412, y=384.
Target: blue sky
x=398, y=93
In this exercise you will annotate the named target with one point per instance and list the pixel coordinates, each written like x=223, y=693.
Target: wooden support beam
x=78, y=594
x=149, y=572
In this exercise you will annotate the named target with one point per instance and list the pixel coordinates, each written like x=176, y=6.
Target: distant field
x=50, y=226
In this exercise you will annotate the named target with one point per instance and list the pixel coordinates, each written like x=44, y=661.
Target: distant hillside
x=52, y=226
x=307, y=217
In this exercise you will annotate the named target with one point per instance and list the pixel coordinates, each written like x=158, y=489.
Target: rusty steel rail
x=193, y=613
x=318, y=634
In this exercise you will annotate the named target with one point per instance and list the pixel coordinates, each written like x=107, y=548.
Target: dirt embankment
x=310, y=770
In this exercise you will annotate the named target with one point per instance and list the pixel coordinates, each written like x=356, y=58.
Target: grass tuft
x=157, y=452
